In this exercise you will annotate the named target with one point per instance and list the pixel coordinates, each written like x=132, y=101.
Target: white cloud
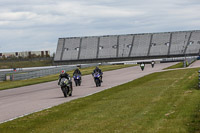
x=15, y=16
x=24, y=24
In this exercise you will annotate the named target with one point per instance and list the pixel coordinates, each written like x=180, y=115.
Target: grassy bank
x=23, y=64
x=178, y=65
x=85, y=71
x=157, y=103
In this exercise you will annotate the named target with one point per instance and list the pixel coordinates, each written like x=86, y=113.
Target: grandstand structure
x=127, y=47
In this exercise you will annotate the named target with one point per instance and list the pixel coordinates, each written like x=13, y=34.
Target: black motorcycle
x=66, y=87
x=77, y=79
x=97, y=79
x=152, y=64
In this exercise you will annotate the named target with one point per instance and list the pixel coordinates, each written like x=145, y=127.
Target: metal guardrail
x=4, y=73
x=2, y=77
x=28, y=74
x=44, y=72
x=189, y=61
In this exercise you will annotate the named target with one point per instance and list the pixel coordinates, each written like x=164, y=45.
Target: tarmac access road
x=22, y=101
x=195, y=64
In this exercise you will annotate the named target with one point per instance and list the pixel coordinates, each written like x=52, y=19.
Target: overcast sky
x=27, y=25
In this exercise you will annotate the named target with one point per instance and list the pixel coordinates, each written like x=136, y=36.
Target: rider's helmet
x=62, y=72
x=97, y=67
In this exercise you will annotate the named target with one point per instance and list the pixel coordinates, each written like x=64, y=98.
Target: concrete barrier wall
x=179, y=42
x=59, y=49
x=141, y=45
x=194, y=43
x=89, y=48
x=71, y=49
x=160, y=44
x=108, y=47
x=130, y=45
x=125, y=44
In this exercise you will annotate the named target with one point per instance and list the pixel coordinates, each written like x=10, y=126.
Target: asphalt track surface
x=195, y=64
x=22, y=101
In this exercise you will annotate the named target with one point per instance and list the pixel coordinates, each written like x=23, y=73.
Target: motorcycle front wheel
x=76, y=82
x=65, y=91
x=97, y=82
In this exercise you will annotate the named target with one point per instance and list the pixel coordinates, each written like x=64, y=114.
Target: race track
x=21, y=101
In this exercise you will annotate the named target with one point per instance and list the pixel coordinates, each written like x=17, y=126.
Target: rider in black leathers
x=152, y=63
x=63, y=74
x=77, y=71
x=99, y=71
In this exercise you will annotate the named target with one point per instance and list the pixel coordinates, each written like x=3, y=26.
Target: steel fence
x=46, y=72
x=3, y=75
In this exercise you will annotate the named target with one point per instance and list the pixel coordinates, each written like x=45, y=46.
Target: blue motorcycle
x=77, y=79
x=97, y=79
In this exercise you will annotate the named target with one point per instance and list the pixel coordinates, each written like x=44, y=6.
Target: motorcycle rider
x=99, y=71
x=63, y=74
x=77, y=71
x=152, y=63
x=142, y=65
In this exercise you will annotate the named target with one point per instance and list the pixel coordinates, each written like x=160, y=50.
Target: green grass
x=178, y=65
x=85, y=71
x=165, y=102
x=22, y=64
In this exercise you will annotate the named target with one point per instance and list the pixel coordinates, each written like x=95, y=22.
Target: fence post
x=199, y=79
x=11, y=77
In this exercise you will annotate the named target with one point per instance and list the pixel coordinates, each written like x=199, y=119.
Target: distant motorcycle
x=142, y=66
x=66, y=87
x=97, y=79
x=77, y=79
x=152, y=64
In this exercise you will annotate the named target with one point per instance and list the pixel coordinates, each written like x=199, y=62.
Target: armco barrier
x=187, y=61
x=46, y=72
x=3, y=75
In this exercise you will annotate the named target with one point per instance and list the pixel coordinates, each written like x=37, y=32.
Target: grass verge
x=157, y=103
x=85, y=71
x=23, y=64
x=178, y=65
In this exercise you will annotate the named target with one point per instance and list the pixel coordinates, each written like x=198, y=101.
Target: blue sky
x=27, y=25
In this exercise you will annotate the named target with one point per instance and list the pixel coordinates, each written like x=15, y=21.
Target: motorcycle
x=142, y=66
x=66, y=87
x=77, y=79
x=152, y=64
x=97, y=79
